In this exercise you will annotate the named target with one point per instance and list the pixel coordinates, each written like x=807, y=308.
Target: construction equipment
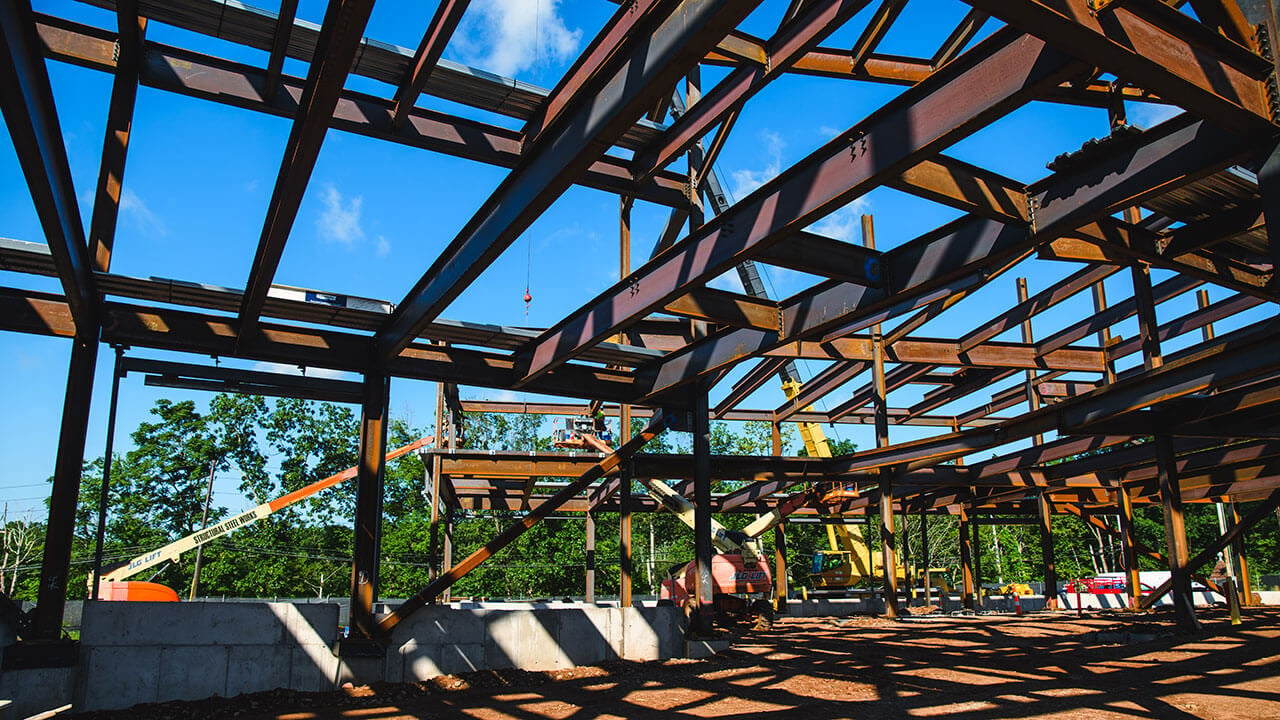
x=571, y=433
x=117, y=589
x=740, y=579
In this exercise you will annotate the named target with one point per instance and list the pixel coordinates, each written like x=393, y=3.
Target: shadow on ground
x=971, y=668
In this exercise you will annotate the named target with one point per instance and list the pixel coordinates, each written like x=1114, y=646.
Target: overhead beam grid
x=906, y=334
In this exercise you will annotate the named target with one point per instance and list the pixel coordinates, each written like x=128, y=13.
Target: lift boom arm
x=175, y=549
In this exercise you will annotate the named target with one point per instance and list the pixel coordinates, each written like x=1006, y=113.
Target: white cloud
x=133, y=208
x=384, y=246
x=509, y=36
x=746, y=180
x=844, y=224
x=340, y=221
x=1148, y=115
x=828, y=132
x=251, y=186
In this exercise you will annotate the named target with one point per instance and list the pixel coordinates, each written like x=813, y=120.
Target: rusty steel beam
x=1258, y=514
x=839, y=373
x=961, y=36
x=643, y=72
x=1237, y=358
x=965, y=187
x=115, y=146
x=755, y=377
x=886, y=12
x=593, y=66
x=26, y=99
x=930, y=351
x=605, y=466
x=1115, y=313
x=1219, y=227
x=1043, y=300
x=1121, y=242
x=894, y=379
x=815, y=21
x=726, y=308
x=1195, y=320
x=443, y=23
x=915, y=125
x=223, y=81
x=340, y=38
x=279, y=48
x=1155, y=47
x=182, y=331
x=824, y=256
x=367, y=545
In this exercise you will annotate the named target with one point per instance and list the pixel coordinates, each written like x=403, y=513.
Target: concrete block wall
x=152, y=652
x=442, y=640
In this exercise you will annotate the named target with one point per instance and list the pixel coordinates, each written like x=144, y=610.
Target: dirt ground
x=974, y=668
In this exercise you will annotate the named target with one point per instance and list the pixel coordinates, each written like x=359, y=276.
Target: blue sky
x=200, y=175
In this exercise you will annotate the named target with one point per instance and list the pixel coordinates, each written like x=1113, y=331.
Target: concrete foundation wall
x=134, y=652
x=441, y=640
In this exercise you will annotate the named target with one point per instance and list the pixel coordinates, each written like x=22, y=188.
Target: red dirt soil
x=974, y=668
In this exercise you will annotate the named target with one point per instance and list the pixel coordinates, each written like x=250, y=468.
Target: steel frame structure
x=1192, y=196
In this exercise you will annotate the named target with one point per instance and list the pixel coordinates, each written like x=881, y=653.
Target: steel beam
x=230, y=83
x=644, y=71
x=55, y=563
x=1025, y=309
x=26, y=99
x=340, y=39
x=604, y=466
x=1157, y=48
x=443, y=23
x=367, y=550
x=917, y=124
x=115, y=146
x=815, y=21
x=279, y=48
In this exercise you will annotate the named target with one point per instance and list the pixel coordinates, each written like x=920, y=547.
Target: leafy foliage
x=156, y=495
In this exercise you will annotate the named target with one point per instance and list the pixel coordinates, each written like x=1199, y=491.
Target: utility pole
x=204, y=523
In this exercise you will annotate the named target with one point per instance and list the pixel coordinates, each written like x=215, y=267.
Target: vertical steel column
x=624, y=425
x=1166, y=459
x=966, y=561
x=104, y=494
x=780, y=569
x=56, y=562
x=702, y=506
x=446, y=562
x=976, y=553
x=888, y=542
x=1104, y=335
x=1227, y=515
x=1033, y=398
x=1046, y=550
x=624, y=535
x=591, y=557
x=433, y=545
x=1175, y=535
x=1129, y=547
x=368, y=520
x=924, y=555
x=1237, y=549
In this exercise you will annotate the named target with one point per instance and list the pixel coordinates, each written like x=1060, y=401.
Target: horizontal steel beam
x=644, y=71
x=26, y=99
x=1156, y=47
x=226, y=82
x=917, y=124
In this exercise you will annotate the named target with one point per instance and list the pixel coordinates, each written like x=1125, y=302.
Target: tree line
x=157, y=494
